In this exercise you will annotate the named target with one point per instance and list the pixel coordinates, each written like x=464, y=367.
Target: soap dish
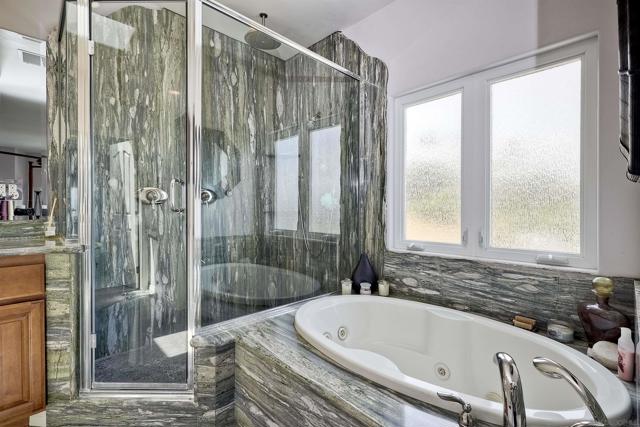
x=560, y=331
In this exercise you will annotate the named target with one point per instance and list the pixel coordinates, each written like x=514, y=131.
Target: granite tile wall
x=265, y=99
x=134, y=107
x=239, y=90
x=61, y=326
x=123, y=412
x=62, y=114
x=499, y=291
x=214, y=382
x=369, y=185
x=247, y=103
x=315, y=97
x=362, y=193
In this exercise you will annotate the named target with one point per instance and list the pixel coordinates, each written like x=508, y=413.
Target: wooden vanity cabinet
x=22, y=335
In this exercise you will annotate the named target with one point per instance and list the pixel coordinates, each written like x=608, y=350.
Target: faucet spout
x=514, y=412
x=555, y=370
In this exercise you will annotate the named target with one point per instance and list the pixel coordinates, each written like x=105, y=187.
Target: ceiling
x=303, y=21
x=22, y=85
x=307, y=21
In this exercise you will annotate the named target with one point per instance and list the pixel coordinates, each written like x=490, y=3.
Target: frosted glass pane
x=535, y=160
x=433, y=132
x=286, y=216
x=325, y=180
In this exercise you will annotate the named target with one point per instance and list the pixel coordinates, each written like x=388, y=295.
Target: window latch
x=465, y=237
x=481, y=239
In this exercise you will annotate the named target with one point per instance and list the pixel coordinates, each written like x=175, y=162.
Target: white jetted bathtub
x=420, y=349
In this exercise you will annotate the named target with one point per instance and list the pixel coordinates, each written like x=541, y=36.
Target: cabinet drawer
x=21, y=283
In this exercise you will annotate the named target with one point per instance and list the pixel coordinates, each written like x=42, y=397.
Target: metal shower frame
x=194, y=118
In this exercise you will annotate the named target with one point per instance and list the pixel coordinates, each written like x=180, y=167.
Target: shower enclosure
x=218, y=177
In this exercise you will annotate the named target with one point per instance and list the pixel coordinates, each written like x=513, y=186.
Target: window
x=286, y=202
x=502, y=164
x=433, y=141
x=325, y=181
x=535, y=160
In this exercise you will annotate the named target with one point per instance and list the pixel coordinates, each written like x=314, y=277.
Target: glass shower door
x=139, y=169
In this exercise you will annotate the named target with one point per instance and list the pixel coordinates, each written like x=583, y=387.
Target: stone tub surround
x=260, y=370
x=500, y=291
x=279, y=379
x=282, y=380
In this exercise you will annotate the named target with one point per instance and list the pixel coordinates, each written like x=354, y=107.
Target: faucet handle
x=450, y=397
x=465, y=419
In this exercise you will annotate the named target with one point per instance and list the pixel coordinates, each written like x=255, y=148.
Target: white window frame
x=476, y=144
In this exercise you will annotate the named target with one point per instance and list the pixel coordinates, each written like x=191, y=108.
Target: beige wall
x=424, y=41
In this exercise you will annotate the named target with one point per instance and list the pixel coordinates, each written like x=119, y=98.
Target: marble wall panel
x=264, y=99
x=215, y=384
x=62, y=115
x=499, y=291
x=61, y=326
x=368, y=187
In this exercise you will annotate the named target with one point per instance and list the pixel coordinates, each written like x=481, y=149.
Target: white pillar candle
x=346, y=286
x=365, y=288
x=383, y=288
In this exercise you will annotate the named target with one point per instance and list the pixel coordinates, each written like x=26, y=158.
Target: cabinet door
x=21, y=360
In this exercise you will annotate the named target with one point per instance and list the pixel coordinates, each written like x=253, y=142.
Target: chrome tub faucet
x=555, y=370
x=513, y=411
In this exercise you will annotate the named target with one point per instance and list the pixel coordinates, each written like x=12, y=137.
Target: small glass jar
x=365, y=288
x=383, y=288
x=347, y=285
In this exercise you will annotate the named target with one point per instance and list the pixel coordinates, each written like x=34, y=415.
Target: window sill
x=496, y=261
x=310, y=236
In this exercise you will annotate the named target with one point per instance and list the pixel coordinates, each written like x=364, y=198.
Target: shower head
x=259, y=40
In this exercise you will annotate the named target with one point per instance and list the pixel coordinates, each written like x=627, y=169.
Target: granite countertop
x=18, y=247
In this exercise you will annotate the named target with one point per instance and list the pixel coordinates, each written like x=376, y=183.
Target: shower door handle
x=172, y=195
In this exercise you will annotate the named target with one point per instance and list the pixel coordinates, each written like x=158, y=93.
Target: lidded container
x=601, y=322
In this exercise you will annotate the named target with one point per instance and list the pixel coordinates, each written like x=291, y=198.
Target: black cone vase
x=364, y=272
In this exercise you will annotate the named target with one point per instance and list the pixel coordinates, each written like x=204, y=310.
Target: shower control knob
x=207, y=196
x=152, y=196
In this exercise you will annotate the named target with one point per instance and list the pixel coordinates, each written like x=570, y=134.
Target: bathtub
x=419, y=349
